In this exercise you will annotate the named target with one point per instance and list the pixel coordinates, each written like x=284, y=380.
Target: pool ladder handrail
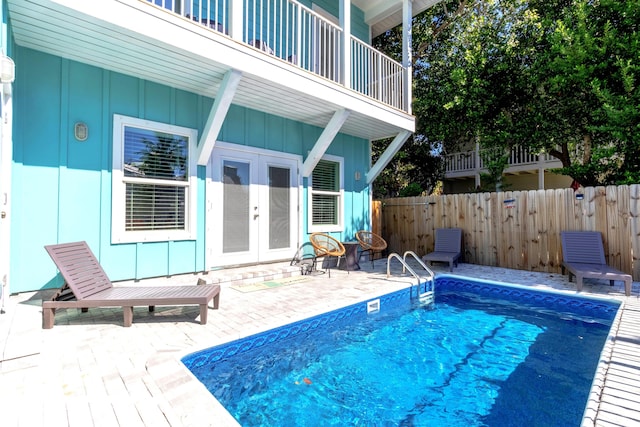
x=426, y=296
x=432, y=275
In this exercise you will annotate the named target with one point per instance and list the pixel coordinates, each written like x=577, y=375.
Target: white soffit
x=134, y=38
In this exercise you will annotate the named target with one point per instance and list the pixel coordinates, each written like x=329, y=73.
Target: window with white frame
x=154, y=181
x=326, y=207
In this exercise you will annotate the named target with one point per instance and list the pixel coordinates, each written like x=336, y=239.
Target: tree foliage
x=415, y=170
x=559, y=76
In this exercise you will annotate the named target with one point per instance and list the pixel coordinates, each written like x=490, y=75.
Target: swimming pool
x=473, y=360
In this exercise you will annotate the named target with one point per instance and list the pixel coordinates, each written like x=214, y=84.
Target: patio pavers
x=89, y=370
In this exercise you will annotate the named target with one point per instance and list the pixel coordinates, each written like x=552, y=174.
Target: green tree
x=559, y=76
x=588, y=80
x=414, y=170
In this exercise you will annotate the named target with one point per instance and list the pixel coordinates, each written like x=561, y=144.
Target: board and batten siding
x=61, y=188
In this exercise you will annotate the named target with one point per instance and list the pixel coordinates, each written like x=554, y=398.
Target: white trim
x=259, y=157
x=256, y=150
x=345, y=60
x=325, y=228
x=218, y=113
x=6, y=156
x=118, y=233
x=324, y=141
x=407, y=52
x=387, y=155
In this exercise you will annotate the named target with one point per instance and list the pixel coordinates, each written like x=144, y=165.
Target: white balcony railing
x=295, y=33
x=519, y=158
x=377, y=75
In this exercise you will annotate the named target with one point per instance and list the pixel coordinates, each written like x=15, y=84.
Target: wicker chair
x=325, y=246
x=371, y=243
x=305, y=258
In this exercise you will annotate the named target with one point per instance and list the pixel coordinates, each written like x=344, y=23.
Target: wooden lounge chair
x=448, y=247
x=87, y=286
x=583, y=257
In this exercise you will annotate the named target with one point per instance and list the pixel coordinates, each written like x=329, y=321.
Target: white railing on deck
x=210, y=13
x=376, y=75
x=467, y=160
x=457, y=162
x=293, y=32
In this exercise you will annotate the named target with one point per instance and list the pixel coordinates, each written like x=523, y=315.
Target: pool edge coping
x=593, y=398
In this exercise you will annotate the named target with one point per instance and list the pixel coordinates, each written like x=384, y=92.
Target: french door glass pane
x=236, y=207
x=279, y=208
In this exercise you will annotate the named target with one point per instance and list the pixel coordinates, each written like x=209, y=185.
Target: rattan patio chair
x=371, y=243
x=327, y=246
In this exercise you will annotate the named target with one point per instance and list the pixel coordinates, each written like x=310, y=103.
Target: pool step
x=250, y=274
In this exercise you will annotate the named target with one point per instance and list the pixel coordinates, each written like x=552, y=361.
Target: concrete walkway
x=90, y=371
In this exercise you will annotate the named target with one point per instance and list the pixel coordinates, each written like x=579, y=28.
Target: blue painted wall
x=61, y=189
x=359, y=28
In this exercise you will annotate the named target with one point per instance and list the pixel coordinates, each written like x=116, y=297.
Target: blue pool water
x=483, y=355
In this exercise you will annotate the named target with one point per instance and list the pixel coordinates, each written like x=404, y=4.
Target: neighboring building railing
x=473, y=160
x=460, y=162
x=295, y=33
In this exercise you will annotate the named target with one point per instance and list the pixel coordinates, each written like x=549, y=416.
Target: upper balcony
x=297, y=34
x=293, y=62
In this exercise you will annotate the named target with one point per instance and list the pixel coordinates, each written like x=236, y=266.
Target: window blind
x=325, y=181
x=150, y=158
x=325, y=176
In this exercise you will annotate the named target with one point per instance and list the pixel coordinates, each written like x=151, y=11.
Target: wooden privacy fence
x=518, y=229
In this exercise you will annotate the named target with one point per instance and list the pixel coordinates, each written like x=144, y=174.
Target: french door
x=252, y=207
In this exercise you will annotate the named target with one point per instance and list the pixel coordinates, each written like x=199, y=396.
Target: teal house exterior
x=182, y=136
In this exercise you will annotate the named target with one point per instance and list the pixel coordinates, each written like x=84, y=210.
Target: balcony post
x=345, y=42
x=478, y=165
x=298, y=27
x=236, y=15
x=407, y=53
x=541, y=169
